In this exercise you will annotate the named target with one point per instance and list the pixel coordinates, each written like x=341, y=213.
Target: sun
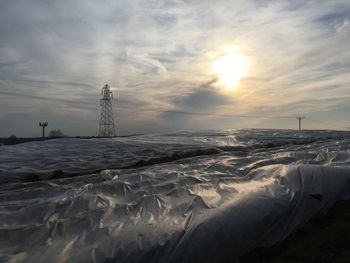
x=230, y=69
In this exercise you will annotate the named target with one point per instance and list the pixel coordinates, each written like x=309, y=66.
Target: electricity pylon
x=107, y=128
x=43, y=125
x=300, y=118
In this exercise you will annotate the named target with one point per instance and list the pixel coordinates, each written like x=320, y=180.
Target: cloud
x=343, y=26
x=205, y=98
x=56, y=55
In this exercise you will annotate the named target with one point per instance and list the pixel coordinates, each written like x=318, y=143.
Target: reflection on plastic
x=184, y=197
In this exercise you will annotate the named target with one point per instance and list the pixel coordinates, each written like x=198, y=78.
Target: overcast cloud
x=55, y=56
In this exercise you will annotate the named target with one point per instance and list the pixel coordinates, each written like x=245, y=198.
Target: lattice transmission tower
x=107, y=128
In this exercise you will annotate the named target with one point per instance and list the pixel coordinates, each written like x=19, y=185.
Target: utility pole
x=299, y=119
x=107, y=128
x=43, y=125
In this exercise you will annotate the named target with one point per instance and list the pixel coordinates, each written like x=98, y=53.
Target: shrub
x=12, y=139
x=56, y=133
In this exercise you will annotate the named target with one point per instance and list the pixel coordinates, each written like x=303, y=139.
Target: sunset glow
x=230, y=69
x=168, y=62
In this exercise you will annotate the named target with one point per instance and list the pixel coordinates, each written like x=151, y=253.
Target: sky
x=160, y=59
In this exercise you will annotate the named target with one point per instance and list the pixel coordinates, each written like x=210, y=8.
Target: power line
x=224, y=115
x=151, y=109
x=328, y=123
x=76, y=102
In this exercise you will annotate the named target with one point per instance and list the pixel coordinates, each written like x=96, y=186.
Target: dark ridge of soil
x=325, y=238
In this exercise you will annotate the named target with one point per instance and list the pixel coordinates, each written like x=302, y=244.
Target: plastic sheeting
x=184, y=197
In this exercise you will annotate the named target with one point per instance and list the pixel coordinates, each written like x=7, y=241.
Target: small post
x=43, y=125
x=299, y=119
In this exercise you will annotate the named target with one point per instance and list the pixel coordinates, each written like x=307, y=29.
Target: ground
x=325, y=238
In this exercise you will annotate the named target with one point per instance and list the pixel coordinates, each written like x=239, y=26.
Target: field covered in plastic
x=182, y=197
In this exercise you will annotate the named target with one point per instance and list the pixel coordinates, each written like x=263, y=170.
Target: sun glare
x=230, y=69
